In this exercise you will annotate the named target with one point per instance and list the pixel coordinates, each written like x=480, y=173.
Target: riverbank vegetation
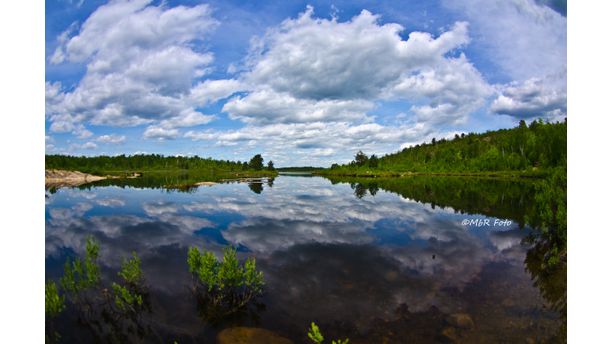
x=128, y=165
x=528, y=150
x=168, y=172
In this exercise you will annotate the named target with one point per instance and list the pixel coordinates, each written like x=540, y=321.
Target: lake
x=377, y=261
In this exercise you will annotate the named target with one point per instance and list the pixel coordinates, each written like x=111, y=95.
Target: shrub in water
x=316, y=336
x=113, y=313
x=81, y=274
x=130, y=295
x=54, y=303
x=224, y=286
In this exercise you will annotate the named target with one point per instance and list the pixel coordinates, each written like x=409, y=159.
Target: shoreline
x=57, y=178
x=489, y=174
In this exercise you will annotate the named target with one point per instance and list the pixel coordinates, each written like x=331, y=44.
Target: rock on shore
x=59, y=178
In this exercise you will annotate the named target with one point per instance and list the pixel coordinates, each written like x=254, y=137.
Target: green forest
x=533, y=149
x=122, y=164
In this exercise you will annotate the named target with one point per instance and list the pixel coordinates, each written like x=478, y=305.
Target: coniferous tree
x=373, y=162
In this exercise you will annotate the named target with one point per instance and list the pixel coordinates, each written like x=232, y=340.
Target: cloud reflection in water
x=325, y=253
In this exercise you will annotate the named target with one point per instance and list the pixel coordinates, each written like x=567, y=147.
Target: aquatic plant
x=111, y=313
x=130, y=296
x=125, y=299
x=224, y=286
x=130, y=270
x=81, y=274
x=316, y=336
x=78, y=282
x=54, y=303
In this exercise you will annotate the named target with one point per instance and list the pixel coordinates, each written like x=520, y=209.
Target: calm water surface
x=360, y=261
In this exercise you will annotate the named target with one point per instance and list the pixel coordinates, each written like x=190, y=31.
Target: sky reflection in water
x=357, y=266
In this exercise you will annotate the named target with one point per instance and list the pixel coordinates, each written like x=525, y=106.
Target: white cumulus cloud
x=160, y=133
x=316, y=142
x=528, y=41
x=142, y=67
x=311, y=69
x=524, y=38
x=545, y=97
x=112, y=138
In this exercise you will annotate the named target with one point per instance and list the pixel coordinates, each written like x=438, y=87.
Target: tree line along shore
x=66, y=170
x=533, y=150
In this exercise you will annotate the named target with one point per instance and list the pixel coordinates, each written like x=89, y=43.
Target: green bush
x=226, y=285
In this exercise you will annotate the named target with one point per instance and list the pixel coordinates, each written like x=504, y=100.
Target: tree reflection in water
x=256, y=187
x=546, y=260
x=328, y=253
x=540, y=204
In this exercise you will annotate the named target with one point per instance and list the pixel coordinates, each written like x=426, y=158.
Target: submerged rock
x=450, y=333
x=461, y=320
x=250, y=335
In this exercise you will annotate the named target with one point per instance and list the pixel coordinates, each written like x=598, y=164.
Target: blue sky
x=303, y=83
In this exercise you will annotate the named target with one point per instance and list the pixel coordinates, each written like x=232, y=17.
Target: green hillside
x=530, y=149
